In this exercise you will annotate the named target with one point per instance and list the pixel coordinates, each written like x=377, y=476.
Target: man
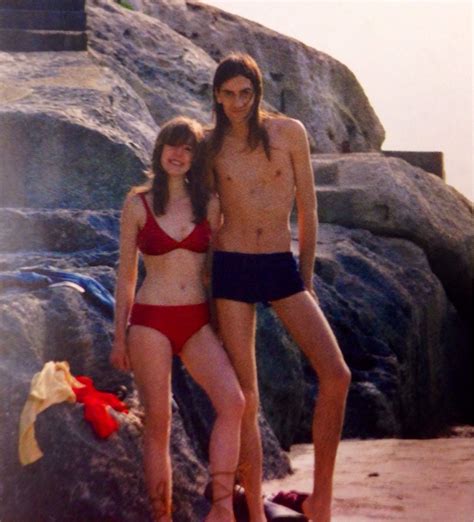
x=261, y=163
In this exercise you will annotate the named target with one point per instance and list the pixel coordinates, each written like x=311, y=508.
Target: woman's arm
x=214, y=216
x=126, y=281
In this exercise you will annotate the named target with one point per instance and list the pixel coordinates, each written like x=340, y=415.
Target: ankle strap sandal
x=159, y=502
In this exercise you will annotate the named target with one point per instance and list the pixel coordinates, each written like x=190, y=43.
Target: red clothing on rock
x=95, y=407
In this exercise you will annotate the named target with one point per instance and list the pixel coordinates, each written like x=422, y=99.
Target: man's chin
x=239, y=117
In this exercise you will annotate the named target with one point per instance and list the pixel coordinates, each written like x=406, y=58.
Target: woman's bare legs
x=237, y=326
x=305, y=322
x=208, y=364
x=150, y=357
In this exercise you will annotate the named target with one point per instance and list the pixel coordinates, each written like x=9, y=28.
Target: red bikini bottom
x=178, y=322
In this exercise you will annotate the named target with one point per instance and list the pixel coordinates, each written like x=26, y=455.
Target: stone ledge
x=49, y=5
x=17, y=40
x=432, y=162
x=42, y=20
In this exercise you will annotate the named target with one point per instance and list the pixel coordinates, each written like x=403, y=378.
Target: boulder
x=390, y=197
x=169, y=73
x=402, y=338
x=58, y=230
x=280, y=377
x=73, y=134
x=80, y=476
x=197, y=416
x=299, y=81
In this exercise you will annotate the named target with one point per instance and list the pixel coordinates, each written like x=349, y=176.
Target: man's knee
x=337, y=379
x=231, y=404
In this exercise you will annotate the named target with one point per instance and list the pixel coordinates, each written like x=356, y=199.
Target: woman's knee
x=231, y=403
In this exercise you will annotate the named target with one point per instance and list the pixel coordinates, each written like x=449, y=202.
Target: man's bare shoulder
x=290, y=129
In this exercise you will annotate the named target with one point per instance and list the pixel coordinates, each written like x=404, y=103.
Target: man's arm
x=305, y=200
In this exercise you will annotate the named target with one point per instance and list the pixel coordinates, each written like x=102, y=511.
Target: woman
x=171, y=222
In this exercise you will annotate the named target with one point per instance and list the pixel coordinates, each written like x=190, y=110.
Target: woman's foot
x=160, y=504
x=317, y=510
x=222, y=497
x=220, y=514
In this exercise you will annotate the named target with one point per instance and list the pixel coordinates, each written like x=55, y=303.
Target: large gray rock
x=401, y=337
x=72, y=134
x=82, y=477
x=390, y=197
x=169, y=72
x=280, y=377
x=60, y=230
x=299, y=81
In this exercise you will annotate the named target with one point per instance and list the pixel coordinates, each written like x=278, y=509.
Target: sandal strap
x=228, y=492
x=159, y=501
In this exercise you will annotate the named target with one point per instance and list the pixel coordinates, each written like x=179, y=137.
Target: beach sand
x=393, y=479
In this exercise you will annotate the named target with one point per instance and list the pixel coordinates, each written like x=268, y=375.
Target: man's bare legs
x=237, y=328
x=208, y=364
x=150, y=356
x=305, y=322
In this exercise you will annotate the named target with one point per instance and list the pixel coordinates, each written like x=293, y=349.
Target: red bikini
x=152, y=240
x=177, y=322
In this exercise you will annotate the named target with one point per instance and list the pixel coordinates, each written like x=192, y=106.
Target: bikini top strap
x=146, y=205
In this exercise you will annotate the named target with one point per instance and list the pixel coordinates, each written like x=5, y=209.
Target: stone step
x=17, y=40
x=325, y=174
x=43, y=20
x=336, y=202
x=431, y=161
x=49, y=5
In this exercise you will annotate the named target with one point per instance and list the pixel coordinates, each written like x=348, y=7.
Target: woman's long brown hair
x=178, y=131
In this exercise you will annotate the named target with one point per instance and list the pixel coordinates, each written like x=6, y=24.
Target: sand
x=392, y=479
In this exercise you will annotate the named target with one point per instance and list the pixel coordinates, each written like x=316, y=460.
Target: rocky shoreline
x=394, y=269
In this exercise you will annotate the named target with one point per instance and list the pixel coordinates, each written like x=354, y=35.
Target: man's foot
x=317, y=510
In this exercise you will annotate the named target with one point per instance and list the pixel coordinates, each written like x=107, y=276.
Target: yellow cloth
x=52, y=385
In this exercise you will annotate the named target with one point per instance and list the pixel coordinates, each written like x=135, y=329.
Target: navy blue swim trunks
x=253, y=278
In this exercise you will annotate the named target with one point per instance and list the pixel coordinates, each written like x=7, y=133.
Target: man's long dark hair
x=178, y=131
x=233, y=65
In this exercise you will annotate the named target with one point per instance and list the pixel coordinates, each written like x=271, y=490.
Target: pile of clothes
x=55, y=384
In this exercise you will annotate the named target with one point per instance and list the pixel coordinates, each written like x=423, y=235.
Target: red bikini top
x=152, y=240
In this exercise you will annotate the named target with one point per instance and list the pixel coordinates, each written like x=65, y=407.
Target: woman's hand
x=206, y=278
x=119, y=357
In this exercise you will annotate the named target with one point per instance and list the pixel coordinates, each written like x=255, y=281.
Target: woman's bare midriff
x=175, y=278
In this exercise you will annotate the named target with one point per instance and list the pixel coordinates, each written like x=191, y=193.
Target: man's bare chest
x=254, y=170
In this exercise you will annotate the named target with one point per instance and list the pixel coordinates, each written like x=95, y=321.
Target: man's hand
x=119, y=357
